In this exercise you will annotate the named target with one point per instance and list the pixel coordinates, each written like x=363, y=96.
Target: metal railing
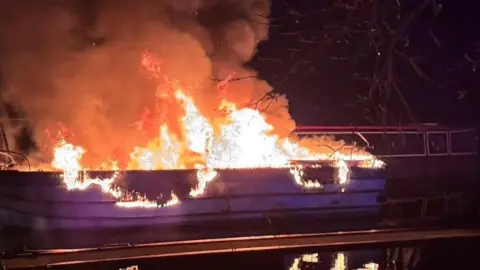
x=406, y=143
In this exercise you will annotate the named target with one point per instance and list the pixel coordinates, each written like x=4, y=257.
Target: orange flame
x=237, y=138
x=67, y=158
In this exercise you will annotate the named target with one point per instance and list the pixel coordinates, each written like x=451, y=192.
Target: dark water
x=447, y=254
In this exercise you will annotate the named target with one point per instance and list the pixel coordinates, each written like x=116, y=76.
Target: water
x=445, y=254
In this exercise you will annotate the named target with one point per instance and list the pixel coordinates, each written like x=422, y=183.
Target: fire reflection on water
x=339, y=262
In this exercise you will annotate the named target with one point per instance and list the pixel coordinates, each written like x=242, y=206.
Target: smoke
x=78, y=62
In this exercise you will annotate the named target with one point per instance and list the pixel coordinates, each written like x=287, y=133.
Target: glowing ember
x=234, y=138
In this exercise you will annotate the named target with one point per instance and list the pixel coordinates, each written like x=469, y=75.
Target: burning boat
x=71, y=197
x=234, y=163
x=39, y=200
x=346, y=183
x=244, y=173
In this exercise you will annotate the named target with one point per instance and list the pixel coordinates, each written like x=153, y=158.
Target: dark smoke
x=78, y=62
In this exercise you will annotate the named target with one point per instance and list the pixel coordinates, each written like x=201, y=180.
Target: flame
x=298, y=175
x=234, y=137
x=343, y=171
x=67, y=158
x=161, y=153
x=204, y=176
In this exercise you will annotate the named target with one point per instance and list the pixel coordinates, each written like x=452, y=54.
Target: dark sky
x=322, y=91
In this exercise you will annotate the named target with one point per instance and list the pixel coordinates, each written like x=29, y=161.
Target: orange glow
x=233, y=137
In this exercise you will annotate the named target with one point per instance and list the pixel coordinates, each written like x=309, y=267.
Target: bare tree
x=377, y=42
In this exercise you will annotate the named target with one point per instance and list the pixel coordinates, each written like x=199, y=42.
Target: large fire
x=237, y=138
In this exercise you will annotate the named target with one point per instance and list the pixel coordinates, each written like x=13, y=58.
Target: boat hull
x=40, y=201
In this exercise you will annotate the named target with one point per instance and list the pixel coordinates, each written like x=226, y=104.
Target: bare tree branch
x=376, y=41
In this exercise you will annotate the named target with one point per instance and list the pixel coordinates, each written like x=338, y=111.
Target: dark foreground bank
x=444, y=254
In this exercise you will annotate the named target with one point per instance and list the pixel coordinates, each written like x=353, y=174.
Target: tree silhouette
x=399, y=51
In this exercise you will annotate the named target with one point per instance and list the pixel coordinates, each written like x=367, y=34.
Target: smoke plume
x=78, y=62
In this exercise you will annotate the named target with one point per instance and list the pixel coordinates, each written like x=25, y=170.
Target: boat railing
x=417, y=141
x=403, y=142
